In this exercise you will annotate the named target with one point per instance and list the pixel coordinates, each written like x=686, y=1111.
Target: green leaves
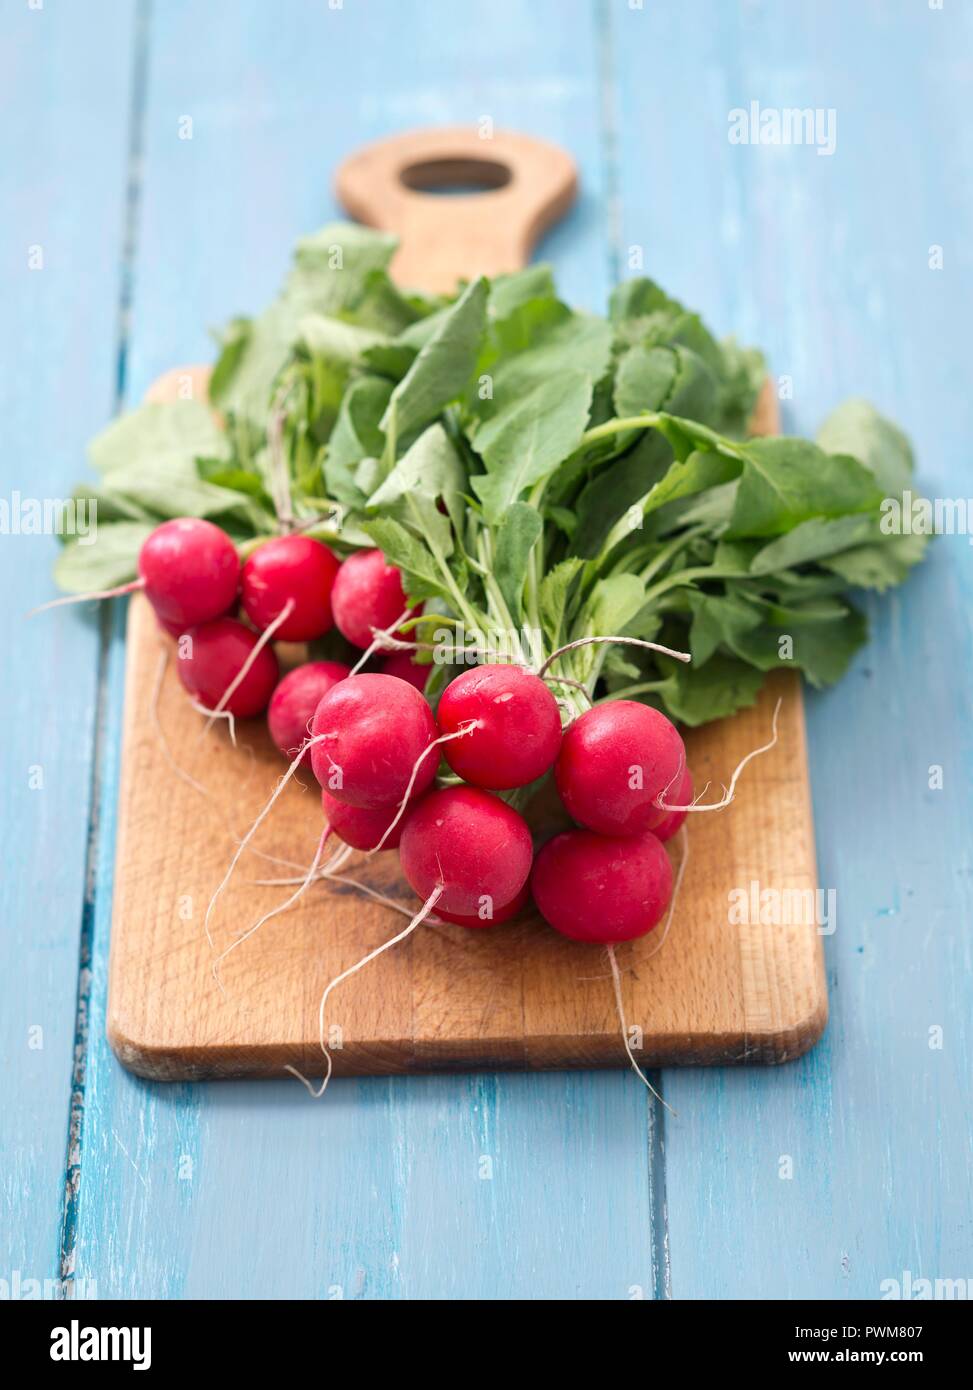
x=443, y=367
x=357, y=435
x=858, y=429
x=113, y=560
x=713, y=382
x=331, y=272
x=524, y=444
x=429, y=473
x=518, y=533
x=695, y=695
x=527, y=465
x=172, y=435
x=787, y=481
x=422, y=579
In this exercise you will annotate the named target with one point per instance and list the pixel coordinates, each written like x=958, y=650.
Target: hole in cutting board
x=450, y=177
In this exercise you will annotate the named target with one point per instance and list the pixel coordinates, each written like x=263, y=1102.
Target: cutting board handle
x=522, y=186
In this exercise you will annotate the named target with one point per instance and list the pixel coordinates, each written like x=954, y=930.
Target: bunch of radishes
x=292, y=587
x=499, y=728
x=374, y=744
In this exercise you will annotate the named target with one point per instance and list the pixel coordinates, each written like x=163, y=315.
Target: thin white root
x=377, y=643
x=94, y=597
x=680, y=873
x=416, y=921
x=730, y=791
x=466, y=727
x=369, y=891
x=275, y=911
x=157, y=725
x=621, y=641
x=617, y=982
x=241, y=675
x=337, y=860
x=218, y=714
x=563, y=680
x=186, y=777
x=385, y=642
x=282, y=783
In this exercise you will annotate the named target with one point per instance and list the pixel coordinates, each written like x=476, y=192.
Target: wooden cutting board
x=518, y=995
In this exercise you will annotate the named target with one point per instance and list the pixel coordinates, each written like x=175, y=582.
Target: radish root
x=250, y=834
x=466, y=727
x=416, y=921
x=186, y=777
x=729, y=792
x=622, y=641
x=617, y=982
x=218, y=714
x=275, y=911
x=95, y=596
x=379, y=639
x=680, y=873
x=563, y=680
x=241, y=675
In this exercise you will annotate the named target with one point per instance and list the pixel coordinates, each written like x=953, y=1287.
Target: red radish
x=298, y=695
x=373, y=730
x=615, y=761
x=499, y=914
x=211, y=657
x=173, y=629
x=190, y=571
x=602, y=888
x=680, y=796
x=367, y=594
x=405, y=666
x=362, y=829
x=517, y=731
x=295, y=568
x=472, y=845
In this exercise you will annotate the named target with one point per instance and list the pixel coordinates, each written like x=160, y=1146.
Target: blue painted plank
x=824, y=259
x=62, y=189
x=381, y=1190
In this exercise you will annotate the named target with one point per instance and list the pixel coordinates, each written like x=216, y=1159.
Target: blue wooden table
x=121, y=242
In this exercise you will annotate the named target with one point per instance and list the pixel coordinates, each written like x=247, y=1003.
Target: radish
x=601, y=888
x=358, y=827
x=616, y=763
x=471, y=846
x=190, y=572
x=461, y=847
x=517, y=726
x=371, y=734
x=405, y=666
x=683, y=795
x=367, y=594
x=214, y=656
x=493, y=915
x=298, y=695
x=295, y=570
